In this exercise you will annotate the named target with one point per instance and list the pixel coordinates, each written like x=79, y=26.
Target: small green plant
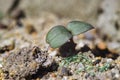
x=79, y=58
x=84, y=63
x=105, y=67
x=59, y=34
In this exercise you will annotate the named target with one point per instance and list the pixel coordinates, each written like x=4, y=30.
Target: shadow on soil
x=68, y=49
x=43, y=71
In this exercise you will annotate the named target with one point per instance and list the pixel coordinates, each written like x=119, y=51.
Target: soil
x=25, y=63
x=95, y=55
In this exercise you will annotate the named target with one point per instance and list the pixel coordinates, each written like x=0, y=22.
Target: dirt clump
x=24, y=63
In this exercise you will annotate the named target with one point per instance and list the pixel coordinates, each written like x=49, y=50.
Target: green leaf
x=57, y=36
x=78, y=27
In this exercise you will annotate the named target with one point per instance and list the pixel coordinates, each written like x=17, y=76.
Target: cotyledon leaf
x=78, y=27
x=57, y=36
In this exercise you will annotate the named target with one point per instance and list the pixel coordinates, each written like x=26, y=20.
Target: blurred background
x=104, y=15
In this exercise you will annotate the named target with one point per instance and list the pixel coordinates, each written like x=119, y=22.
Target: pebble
x=65, y=78
x=116, y=73
x=81, y=44
x=7, y=45
x=64, y=71
x=53, y=53
x=81, y=66
x=109, y=60
x=102, y=45
x=114, y=47
x=53, y=75
x=89, y=36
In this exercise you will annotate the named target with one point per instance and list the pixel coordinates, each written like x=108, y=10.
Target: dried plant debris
x=24, y=63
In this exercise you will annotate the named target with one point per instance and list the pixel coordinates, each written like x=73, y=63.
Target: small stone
x=7, y=45
x=80, y=45
x=81, y=66
x=117, y=75
x=53, y=53
x=38, y=79
x=64, y=71
x=89, y=36
x=53, y=75
x=114, y=47
x=109, y=60
x=65, y=78
x=101, y=45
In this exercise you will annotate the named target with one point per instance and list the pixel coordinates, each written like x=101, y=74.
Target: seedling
x=59, y=34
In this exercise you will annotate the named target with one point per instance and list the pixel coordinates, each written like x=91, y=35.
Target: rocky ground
x=25, y=55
